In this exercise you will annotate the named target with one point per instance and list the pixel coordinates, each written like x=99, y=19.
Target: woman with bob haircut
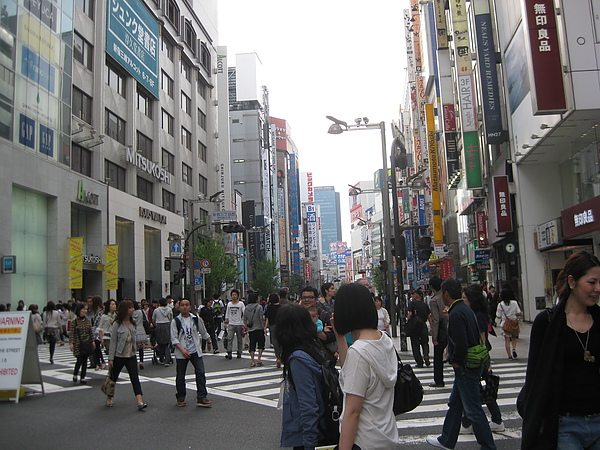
x=368, y=375
x=302, y=354
x=560, y=401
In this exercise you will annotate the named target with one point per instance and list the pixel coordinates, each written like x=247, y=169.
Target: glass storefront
x=30, y=245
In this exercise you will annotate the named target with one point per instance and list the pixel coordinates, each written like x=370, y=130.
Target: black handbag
x=488, y=387
x=408, y=391
x=414, y=326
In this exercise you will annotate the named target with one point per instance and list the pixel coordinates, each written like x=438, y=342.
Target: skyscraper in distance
x=331, y=223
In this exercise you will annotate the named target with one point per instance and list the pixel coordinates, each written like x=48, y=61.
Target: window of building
x=144, y=146
x=82, y=105
x=202, y=215
x=115, y=79
x=83, y=51
x=87, y=6
x=172, y=13
x=168, y=161
x=189, y=36
x=168, y=47
x=186, y=104
x=202, y=89
x=186, y=206
x=186, y=138
x=205, y=56
x=166, y=84
x=186, y=70
x=145, y=190
x=168, y=199
x=144, y=101
x=167, y=122
x=201, y=151
x=81, y=160
x=202, y=184
x=201, y=119
x=115, y=127
x=115, y=175
x=186, y=174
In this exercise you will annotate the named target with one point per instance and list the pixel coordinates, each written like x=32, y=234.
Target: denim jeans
x=198, y=364
x=494, y=411
x=465, y=397
x=579, y=433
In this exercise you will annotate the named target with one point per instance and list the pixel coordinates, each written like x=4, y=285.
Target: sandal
x=259, y=363
x=252, y=365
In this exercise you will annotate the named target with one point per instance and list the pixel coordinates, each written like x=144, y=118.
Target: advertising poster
x=75, y=263
x=111, y=270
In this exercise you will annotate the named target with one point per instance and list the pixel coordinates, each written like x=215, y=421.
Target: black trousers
x=132, y=369
x=438, y=363
x=420, y=342
x=81, y=362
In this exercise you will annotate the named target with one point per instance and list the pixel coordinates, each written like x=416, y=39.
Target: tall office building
x=331, y=223
x=108, y=130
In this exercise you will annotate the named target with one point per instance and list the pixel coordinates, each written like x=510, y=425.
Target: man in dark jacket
x=439, y=331
x=462, y=334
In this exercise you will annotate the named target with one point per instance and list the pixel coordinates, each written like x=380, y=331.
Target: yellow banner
x=75, y=263
x=111, y=267
x=39, y=38
x=438, y=232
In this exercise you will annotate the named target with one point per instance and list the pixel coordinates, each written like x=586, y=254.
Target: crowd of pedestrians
x=350, y=328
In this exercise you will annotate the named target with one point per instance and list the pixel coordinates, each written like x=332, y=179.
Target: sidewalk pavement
x=498, y=352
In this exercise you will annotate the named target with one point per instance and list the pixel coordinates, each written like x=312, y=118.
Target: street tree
x=223, y=267
x=266, y=277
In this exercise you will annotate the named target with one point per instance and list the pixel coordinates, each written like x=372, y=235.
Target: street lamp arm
x=192, y=232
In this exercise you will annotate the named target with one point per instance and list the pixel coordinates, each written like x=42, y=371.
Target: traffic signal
x=399, y=248
x=424, y=247
x=167, y=265
x=233, y=227
x=179, y=275
x=383, y=265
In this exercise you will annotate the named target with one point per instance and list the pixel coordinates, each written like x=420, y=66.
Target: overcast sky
x=329, y=57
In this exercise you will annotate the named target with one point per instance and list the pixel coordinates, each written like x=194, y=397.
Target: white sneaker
x=466, y=430
x=497, y=427
x=434, y=441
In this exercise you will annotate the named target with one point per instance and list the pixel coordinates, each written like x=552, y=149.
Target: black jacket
x=463, y=332
x=539, y=400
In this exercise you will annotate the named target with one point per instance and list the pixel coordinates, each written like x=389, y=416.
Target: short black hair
x=162, y=302
x=216, y=296
x=354, y=309
x=309, y=289
x=236, y=291
x=283, y=293
x=78, y=308
x=435, y=282
x=452, y=286
x=253, y=298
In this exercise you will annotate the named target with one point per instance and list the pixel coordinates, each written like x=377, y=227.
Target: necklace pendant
x=587, y=356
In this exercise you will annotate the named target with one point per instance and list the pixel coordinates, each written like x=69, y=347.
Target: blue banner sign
x=37, y=69
x=132, y=40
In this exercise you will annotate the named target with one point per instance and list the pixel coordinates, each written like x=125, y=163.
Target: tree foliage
x=266, y=277
x=378, y=281
x=223, y=267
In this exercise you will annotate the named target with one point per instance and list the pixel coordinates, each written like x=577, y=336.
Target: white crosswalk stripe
x=260, y=385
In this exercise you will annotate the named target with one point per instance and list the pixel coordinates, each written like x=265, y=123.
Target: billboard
x=132, y=40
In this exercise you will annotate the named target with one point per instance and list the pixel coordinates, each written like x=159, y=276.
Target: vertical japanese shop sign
x=111, y=269
x=503, y=208
x=481, y=229
x=438, y=234
x=472, y=160
x=440, y=23
x=132, y=40
x=549, y=93
x=75, y=263
x=446, y=267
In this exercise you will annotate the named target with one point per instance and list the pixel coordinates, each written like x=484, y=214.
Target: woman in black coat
x=560, y=402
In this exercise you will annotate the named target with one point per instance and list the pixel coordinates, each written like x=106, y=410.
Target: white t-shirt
x=510, y=311
x=368, y=364
x=188, y=338
x=380, y=320
x=235, y=313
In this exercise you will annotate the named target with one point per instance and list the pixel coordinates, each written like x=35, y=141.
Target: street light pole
x=339, y=127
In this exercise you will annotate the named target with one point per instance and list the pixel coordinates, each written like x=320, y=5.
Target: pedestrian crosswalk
x=261, y=385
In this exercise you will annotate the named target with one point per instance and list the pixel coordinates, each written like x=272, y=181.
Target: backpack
x=217, y=308
x=332, y=400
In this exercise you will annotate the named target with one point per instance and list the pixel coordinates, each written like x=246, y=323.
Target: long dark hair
x=96, y=304
x=296, y=331
x=476, y=297
x=577, y=266
x=123, y=311
x=354, y=309
x=507, y=294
